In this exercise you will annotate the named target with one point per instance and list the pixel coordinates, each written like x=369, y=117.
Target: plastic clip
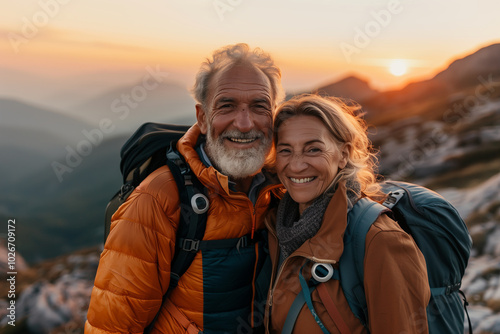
x=199, y=202
x=325, y=271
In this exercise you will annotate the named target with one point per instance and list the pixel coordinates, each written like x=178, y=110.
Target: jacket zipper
x=253, y=209
x=280, y=271
x=273, y=273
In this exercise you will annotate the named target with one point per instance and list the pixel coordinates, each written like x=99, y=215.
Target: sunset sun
x=398, y=67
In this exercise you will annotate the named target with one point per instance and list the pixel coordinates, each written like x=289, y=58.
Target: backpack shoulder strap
x=351, y=271
x=192, y=221
x=194, y=206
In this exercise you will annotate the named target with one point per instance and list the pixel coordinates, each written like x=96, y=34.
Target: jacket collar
x=209, y=176
x=328, y=244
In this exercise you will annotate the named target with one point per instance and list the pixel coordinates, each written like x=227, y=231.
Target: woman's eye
x=314, y=150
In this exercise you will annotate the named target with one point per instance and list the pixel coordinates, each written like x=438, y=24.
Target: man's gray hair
x=238, y=54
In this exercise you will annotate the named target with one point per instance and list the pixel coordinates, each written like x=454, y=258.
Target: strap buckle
x=190, y=245
x=393, y=198
x=242, y=242
x=453, y=288
x=176, y=158
x=125, y=190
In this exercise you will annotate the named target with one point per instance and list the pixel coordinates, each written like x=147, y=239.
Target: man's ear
x=201, y=116
x=345, y=155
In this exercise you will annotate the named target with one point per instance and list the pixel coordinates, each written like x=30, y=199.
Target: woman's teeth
x=303, y=180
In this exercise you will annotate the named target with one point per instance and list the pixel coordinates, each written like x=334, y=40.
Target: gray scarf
x=293, y=229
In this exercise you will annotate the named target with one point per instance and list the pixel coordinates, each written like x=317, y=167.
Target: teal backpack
x=439, y=232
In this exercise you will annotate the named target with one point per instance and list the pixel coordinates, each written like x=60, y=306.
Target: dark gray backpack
x=441, y=235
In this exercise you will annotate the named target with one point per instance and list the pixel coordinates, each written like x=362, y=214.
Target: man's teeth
x=240, y=140
x=304, y=180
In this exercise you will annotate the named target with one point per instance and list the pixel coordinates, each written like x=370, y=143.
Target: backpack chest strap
x=193, y=245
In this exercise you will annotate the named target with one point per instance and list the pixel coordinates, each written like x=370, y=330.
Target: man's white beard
x=235, y=163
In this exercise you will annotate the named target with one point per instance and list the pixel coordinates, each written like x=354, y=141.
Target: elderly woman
x=323, y=159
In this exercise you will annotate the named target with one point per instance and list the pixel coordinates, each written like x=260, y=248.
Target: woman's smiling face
x=307, y=158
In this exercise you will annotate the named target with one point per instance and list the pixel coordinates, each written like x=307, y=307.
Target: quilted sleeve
x=396, y=284
x=134, y=268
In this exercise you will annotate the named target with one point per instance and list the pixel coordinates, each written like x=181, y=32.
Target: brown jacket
x=396, y=285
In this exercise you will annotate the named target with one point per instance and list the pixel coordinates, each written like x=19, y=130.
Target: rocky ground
x=459, y=157
x=481, y=282
x=53, y=296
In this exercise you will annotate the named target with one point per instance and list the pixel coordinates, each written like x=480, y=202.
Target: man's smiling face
x=238, y=122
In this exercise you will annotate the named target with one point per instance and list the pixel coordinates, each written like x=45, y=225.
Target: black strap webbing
x=466, y=303
x=191, y=225
x=191, y=245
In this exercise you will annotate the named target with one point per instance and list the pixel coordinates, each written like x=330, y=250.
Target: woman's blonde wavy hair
x=346, y=127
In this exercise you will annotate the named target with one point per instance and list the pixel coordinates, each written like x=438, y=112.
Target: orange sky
x=308, y=39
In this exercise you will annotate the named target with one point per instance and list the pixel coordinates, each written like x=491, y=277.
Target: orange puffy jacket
x=218, y=290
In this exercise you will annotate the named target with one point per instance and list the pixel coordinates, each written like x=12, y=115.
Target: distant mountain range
x=130, y=106
x=28, y=117
x=479, y=69
x=350, y=87
x=57, y=217
x=31, y=138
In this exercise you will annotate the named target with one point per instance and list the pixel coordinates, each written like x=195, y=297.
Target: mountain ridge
x=350, y=87
x=26, y=116
x=483, y=61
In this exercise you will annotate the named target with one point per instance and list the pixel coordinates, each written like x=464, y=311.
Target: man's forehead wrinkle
x=240, y=83
x=233, y=85
x=257, y=93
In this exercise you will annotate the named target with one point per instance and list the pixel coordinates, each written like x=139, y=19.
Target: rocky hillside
x=52, y=297
x=430, y=98
x=452, y=145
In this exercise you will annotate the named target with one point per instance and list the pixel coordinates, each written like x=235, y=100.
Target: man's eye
x=262, y=108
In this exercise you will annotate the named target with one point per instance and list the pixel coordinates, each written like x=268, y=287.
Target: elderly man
x=237, y=92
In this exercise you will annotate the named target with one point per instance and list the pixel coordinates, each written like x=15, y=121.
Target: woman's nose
x=297, y=163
